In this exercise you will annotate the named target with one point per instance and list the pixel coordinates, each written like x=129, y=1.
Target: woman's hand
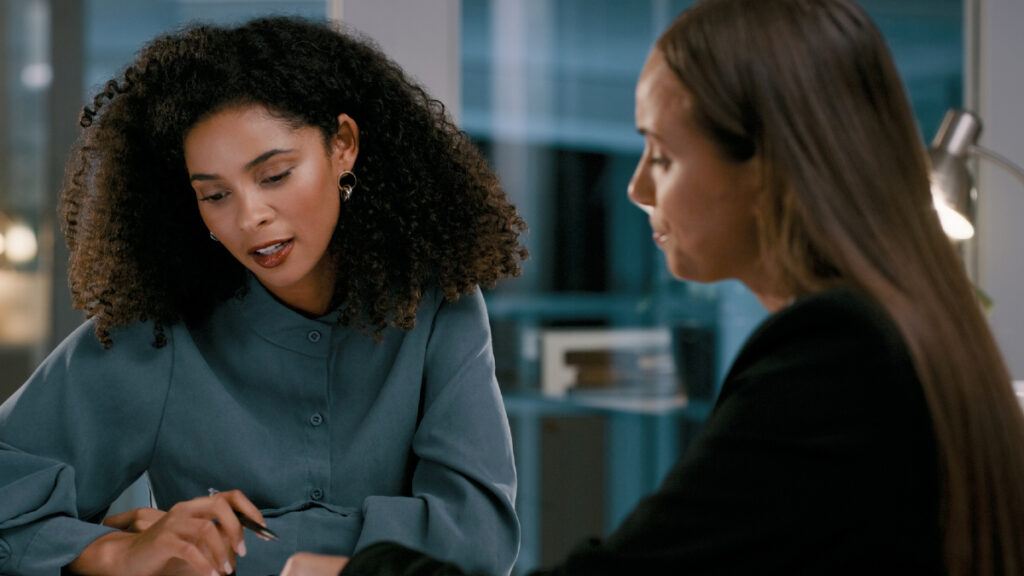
x=135, y=520
x=199, y=537
x=306, y=564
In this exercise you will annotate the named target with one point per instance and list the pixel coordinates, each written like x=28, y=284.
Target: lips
x=272, y=254
x=660, y=237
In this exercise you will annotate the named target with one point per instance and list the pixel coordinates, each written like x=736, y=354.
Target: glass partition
x=25, y=78
x=110, y=32
x=115, y=29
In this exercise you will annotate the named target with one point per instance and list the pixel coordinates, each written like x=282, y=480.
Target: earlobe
x=346, y=141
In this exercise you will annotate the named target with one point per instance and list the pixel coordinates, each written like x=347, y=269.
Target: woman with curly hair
x=279, y=242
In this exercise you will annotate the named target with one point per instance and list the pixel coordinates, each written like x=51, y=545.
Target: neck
x=770, y=290
x=311, y=299
x=772, y=302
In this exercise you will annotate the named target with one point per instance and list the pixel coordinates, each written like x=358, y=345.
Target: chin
x=273, y=278
x=678, y=270
x=686, y=271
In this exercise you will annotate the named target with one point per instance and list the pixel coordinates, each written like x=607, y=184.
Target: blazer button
x=316, y=494
x=316, y=419
x=313, y=336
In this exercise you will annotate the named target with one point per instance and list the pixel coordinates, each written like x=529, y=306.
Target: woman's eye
x=655, y=158
x=214, y=197
x=277, y=177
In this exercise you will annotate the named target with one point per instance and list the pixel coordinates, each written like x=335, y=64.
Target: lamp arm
x=1003, y=161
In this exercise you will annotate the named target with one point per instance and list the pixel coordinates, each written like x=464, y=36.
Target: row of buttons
x=316, y=419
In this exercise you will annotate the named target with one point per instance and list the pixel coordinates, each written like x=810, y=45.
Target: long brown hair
x=810, y=86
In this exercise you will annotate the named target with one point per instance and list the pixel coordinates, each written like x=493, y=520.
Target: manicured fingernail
x=227, y=568
x=241, y=548
x=214, y=573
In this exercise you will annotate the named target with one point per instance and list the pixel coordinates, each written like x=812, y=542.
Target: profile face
x=701, y=204
x=268, y=191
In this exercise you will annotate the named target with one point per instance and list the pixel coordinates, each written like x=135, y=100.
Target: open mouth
x=272, y=249
x=273, y=254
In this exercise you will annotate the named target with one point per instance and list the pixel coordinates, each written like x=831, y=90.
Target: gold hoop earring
x=347, y=182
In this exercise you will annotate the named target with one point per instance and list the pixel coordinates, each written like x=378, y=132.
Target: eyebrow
x=248, y=166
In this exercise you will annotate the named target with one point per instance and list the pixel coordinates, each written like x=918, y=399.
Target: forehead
x=660, y=96
x=238, y=137
x=242, y=127
x=255, y=116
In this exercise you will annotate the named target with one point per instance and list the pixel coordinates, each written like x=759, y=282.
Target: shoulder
x=83, y=381
x=830, y=353
x=128, y=340
x=132, y=354
x=827, y=326
x=467, y=307
x=838, y=310
x=459, y=328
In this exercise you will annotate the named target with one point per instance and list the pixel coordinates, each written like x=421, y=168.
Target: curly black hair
x=429, y=211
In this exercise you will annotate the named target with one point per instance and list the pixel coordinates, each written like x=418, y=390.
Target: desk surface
x=533, y=402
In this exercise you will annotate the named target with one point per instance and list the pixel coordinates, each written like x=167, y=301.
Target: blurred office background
x=545, y=87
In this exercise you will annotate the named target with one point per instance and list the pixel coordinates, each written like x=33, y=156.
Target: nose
x=253, y=212
x=639, y=189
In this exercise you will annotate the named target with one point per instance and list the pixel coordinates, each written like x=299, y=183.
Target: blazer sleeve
x=464, y=481
x=72, y=438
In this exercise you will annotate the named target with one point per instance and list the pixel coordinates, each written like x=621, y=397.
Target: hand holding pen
x=261, y=530
x=198, y=537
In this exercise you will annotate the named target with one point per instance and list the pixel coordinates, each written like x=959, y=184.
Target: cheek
x=210, y=220
x=330, y=199
x=679, y=201
x=221, y=222
x=203, y=215
x=322, y=201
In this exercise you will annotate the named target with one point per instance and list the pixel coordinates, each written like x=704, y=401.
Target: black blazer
x=818, y=458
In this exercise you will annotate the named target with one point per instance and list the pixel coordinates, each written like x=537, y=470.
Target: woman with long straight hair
x=812, y=92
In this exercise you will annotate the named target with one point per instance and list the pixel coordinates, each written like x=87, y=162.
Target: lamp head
x=951, y=183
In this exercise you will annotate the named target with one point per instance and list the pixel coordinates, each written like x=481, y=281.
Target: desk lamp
x=952, y=186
